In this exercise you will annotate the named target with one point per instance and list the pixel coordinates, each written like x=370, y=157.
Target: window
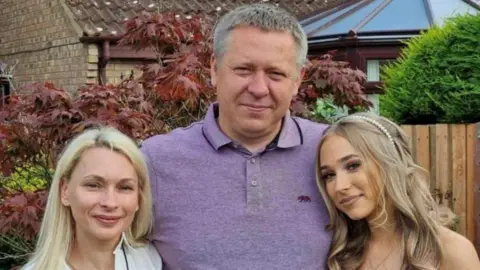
x=4, y=91
x=374, y=69
x=375, y=103
x=374, y=75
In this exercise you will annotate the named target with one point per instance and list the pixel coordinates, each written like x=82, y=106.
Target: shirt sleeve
x=152, y=175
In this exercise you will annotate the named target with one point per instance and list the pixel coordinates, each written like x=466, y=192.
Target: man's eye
x=242, y=69
x=278, y=74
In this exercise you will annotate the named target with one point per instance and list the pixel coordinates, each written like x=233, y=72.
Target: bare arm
x=459, y=251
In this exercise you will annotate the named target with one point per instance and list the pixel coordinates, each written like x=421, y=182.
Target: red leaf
x=55, y=114
x=19, y=200
x=188, y=84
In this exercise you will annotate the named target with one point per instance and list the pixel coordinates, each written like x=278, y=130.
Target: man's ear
x=64, y=193
x=213, y=70
x=298, y=81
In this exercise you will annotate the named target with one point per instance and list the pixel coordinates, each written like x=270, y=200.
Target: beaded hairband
x=378, y=125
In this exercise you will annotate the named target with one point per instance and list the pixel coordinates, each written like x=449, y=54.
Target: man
x=237, y=190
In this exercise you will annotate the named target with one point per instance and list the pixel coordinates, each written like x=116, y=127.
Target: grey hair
x=264, y=16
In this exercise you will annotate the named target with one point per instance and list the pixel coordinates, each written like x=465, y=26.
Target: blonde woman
x=382, y=214
x=99, y=208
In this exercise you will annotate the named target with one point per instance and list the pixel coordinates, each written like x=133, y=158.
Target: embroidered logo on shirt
x=304, y=198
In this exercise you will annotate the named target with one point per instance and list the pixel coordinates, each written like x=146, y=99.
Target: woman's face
x=102, y=193
x=348, y=180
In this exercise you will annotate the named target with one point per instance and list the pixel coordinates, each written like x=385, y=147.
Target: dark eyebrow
x=342, y=160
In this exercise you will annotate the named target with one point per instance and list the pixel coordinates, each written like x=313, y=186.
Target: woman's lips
x=108, y=220
x=349, y=200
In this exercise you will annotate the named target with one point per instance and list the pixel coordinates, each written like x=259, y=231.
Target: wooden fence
x=451, y=153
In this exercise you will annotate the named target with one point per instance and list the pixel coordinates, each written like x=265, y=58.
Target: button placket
x=254, y=181
x=254, y=192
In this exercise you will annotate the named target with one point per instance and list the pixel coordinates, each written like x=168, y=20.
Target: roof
x=106, y=18
x=382, y=19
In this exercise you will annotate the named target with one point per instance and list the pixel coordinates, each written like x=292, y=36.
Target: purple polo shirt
x=217, y=206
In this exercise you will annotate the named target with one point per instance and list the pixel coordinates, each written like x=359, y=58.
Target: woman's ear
x=64, y=192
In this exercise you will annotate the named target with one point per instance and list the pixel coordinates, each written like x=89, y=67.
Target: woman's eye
x=353, y=166
x=126, y=188
x=92, y=185
x=327, y=176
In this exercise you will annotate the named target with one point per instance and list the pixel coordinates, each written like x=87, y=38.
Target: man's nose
x=259, y=85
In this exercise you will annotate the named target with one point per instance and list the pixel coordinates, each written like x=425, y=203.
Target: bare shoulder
x=459, y=251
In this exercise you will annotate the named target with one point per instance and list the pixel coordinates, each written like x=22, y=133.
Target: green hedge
x=437, y=77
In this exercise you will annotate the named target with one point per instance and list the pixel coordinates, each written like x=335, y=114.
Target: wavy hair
x=57, y=229
x=403, y=184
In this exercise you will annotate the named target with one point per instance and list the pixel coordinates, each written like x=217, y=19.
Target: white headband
x=378, y=125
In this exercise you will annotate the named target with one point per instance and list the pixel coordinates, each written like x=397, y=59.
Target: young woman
x=382, y=213
x=99, y=208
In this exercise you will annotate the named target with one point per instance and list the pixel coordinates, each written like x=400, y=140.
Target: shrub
x=330, y=80
x=14, y=250
x=437, y=77
x=20, y=217
x=326, y=111
x=37, y=125
x=28, y=178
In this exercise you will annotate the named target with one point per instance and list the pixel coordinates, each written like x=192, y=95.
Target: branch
x=13, y=243
x=6, y=256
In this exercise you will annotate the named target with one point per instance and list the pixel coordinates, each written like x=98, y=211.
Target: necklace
x=125, y=256
x=384, y=259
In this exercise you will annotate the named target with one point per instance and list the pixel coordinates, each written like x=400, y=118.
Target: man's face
x=256, y=80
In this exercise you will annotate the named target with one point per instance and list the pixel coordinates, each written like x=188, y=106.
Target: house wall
x=115, y=69
x=41, y=39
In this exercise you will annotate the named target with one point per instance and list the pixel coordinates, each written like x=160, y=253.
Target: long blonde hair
x=404, y=185
x=57, y=229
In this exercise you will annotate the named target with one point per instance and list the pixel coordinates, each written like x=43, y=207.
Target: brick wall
x=115, y=69
x=41, y=36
